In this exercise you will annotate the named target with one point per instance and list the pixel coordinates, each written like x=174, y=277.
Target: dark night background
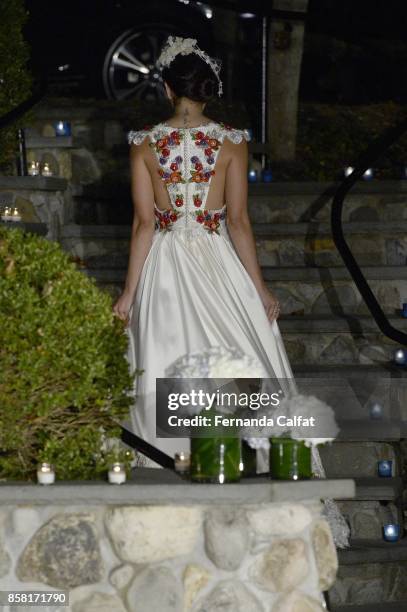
x=354, y=52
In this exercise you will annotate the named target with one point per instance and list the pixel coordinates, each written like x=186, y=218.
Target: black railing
x=374, y=151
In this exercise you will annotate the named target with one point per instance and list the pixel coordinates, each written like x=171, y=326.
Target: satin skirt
x=193, y=293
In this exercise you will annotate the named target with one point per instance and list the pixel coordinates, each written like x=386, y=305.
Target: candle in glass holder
x=385, y=468
x=376, y=411
x=45, y=473
x=400, y=356
x=33, y=168
x=182, y=462
x=391, y=532
x=117, y=473
x=16, y=215
x=6, y=215
x=347, y=171
x=252, y=176
x=267, y=175
x=368, y=175
x=46, y=170
x=62, y=128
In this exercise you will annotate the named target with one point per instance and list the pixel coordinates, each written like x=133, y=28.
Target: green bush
x=65, y=382
x=14, y=77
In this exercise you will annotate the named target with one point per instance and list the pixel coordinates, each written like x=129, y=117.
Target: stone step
x=49, y=142
x=383, y=606
x=381, y=489
x=344, y=459
x=303, y=290
x=290, y=202
x=31, y=183
x=366, y=517
x=371, y=551
x=279, y=245
x=368, y=585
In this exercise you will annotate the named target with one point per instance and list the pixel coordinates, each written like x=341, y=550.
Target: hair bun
x=189, y=76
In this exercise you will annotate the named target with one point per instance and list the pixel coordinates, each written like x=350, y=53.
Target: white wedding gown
x=193, y=291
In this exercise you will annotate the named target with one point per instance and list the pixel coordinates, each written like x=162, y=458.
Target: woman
x=193, y=278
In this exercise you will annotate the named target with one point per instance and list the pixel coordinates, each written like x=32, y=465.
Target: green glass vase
x=289, y=459
x=216, y=460
x=248, y=460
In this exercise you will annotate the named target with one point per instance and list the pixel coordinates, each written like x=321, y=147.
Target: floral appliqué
x=209, y=220
x=166, y=218
x=163, y=148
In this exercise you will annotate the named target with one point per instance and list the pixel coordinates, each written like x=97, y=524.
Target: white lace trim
x=233, y=134
x=137, y=136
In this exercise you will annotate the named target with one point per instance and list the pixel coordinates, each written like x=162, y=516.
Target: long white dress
x=193, y=291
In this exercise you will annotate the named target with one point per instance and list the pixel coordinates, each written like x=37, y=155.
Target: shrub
x=14, y=77
x=64, y=378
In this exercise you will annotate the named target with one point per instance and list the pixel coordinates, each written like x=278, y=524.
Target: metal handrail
x=373, y=152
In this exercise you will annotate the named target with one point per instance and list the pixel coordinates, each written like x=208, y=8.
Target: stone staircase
x=327, y=329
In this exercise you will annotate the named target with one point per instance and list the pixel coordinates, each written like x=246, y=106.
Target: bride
x=193, y=278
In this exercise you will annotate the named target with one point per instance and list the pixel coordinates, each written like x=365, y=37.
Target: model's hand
x=123, y=305
x=270, y=303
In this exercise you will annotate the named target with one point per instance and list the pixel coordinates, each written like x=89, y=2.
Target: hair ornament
x=177, y=45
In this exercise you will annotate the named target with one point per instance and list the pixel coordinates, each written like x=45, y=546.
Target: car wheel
x=130, y=65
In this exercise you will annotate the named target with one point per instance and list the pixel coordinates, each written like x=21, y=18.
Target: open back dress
x=193, y=291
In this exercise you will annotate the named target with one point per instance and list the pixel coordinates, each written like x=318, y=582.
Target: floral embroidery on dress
x=163, y=148
x=166, y=218
x=188, y=156
x=197, y=200
x=179, y=199
x=209, y=220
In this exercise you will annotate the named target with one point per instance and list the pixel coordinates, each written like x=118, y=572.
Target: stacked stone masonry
x=272, y=557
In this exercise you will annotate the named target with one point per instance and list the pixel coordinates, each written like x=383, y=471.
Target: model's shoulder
x=235, y=135
x=138, y=136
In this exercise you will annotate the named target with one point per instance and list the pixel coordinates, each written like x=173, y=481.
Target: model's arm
x=142, y=229
x=239, y=225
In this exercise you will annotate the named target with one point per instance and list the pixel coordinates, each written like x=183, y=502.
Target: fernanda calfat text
x=233, y=421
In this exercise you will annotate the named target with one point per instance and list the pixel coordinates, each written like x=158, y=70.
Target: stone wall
x=115, y=558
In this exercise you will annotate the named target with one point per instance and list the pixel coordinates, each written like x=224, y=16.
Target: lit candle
x=252, y=176
x=16, y=215
x=46, y=170
x=6, y=216
x=267, y=175
x=368, y=175
x=404, y=311
x=62, y=128
x=45, y=473
x=117, y=473
x=376, y=411
x=182, y=462
x=34, y=168
x=391, y=532
x=348, y=170
x=400, y=357
x=385, y=468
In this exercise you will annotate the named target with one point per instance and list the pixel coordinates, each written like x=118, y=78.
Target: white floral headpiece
x=176, y=44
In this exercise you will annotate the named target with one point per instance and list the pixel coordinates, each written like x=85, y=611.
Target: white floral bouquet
x=222, y=366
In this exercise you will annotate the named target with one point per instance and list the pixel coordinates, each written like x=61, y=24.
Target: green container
x=249, y=460
x=289, y=459
x=216, y=460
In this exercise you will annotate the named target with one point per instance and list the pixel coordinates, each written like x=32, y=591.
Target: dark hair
x=190, y=76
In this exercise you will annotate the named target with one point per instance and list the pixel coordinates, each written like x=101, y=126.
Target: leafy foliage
x=65, y=381
x=15, y=79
